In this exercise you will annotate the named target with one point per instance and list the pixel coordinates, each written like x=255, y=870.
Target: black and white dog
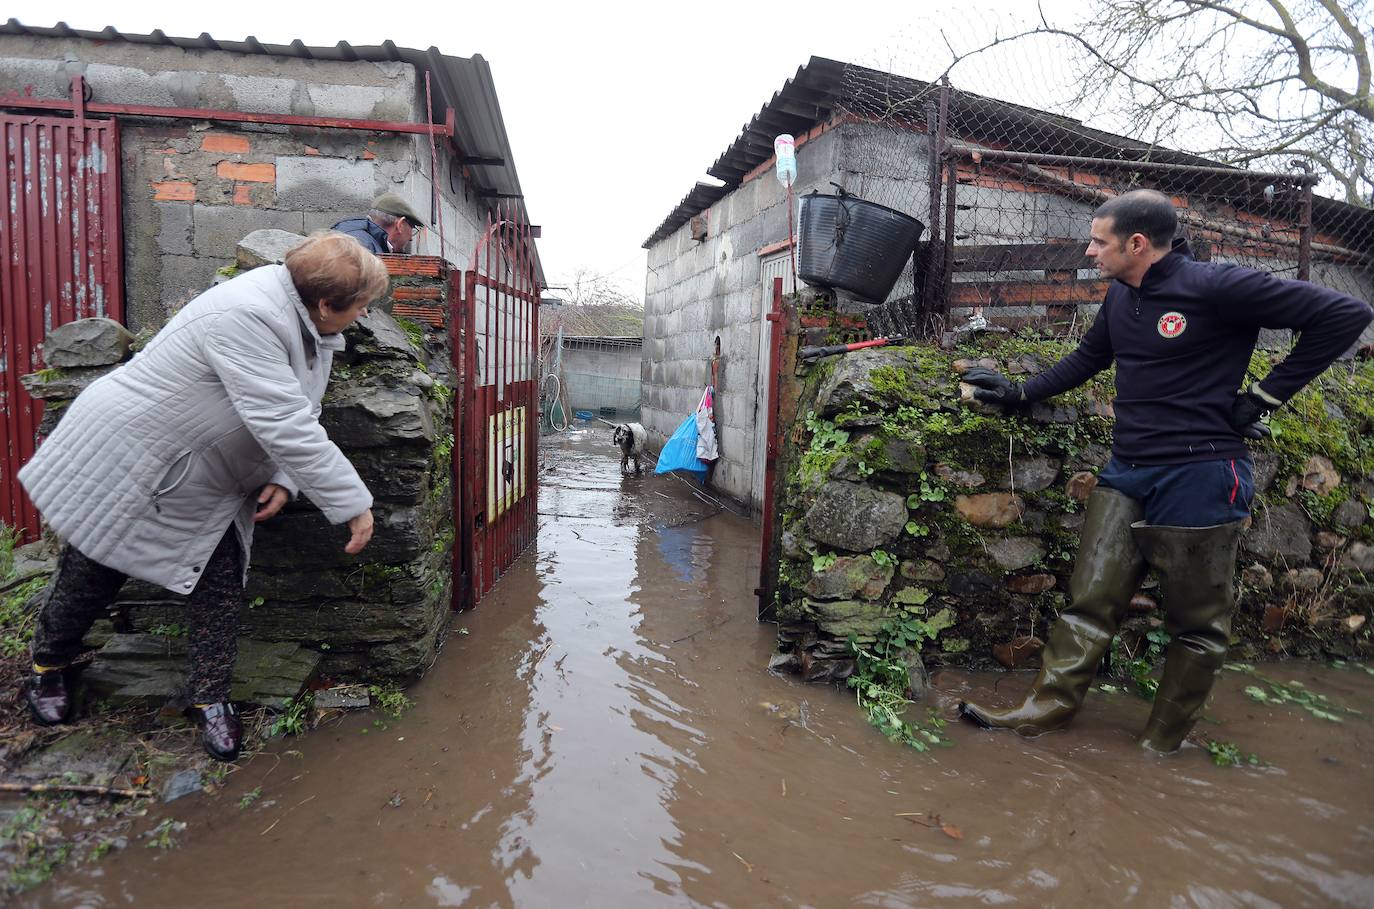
x=629, y=438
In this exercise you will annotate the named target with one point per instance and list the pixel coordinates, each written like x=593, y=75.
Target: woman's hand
x=270, y=501
x=361, y=528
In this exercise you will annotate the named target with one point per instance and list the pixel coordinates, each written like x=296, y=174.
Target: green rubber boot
x=1197, y=567
x=1106, y=573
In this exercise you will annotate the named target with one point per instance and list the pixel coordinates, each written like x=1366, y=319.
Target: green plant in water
x=249, y=797
x=1228, y=754
x=1139, y=665
x=881, y=681
x=390, y=700
x=161, y=836
x=1294, y=693
x=35, y=852
x=294, y=720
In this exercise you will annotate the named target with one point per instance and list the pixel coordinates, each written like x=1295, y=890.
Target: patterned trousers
x=82, y=590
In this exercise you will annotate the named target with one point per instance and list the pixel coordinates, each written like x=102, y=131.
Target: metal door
x=62, y=260
x=500, y=407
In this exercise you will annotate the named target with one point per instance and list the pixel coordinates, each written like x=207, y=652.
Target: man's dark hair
x=1141, y=211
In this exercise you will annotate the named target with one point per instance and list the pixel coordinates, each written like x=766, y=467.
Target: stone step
x=149, y=670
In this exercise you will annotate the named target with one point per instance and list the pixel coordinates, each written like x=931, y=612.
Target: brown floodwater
x=601, y=731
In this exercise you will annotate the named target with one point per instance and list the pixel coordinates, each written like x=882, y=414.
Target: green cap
x=393, y=204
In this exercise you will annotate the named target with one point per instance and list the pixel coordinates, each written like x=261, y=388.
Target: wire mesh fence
x=1006, y=180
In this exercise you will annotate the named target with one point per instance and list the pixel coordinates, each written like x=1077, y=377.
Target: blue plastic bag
x=680, y=451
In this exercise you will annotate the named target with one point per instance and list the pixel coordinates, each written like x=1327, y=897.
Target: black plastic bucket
x=850, y=244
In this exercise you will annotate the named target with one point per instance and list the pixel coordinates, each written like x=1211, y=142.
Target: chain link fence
x=1007, y=190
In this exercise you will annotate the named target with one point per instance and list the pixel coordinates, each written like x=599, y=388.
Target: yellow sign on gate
x=505, y=460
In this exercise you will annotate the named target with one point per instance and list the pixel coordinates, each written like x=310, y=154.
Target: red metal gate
x=63, y=260
x=497, y=424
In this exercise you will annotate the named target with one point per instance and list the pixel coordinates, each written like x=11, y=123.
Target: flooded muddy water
x=601, y=731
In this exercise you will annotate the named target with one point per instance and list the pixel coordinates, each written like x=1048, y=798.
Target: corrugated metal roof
x=813, y=95
x=462, y=83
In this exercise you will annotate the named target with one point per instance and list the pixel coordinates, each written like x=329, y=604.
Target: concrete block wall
x=698, y=291
x=192, y=190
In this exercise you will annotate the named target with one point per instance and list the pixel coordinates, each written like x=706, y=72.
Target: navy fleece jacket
x=1182, y=342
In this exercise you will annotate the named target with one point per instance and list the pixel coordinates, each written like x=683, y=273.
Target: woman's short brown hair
x=335, y=268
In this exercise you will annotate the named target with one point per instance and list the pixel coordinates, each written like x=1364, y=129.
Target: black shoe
x=220, y=731
x=47, y=697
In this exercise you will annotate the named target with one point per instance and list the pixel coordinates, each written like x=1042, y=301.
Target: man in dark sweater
x=1177, y=491
x=389, y=227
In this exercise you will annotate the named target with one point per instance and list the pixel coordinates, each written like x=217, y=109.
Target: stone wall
x=376, y=616
x=190, y=190
x=900, y=500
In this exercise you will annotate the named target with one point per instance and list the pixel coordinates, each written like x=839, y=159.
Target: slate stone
x=1266, y=469
x=855, y=518
x=267, y=246
x=838, y=619
x=62, y=384
x=1280, y=532
x=1031, y=584
x=150, y=670
x=1320, y=475
x=974, y=585
x=1257, y=576
x=377, y=334
x=1350, y=514
x=1015, y=553
x=1359, y=557
x=1033, y=474
x=85, y=343
x=851, y=379
x=371, y=416
x=343, y=697
x=848, y=577
x=922, y=570
x=183, y=783
x=86, y=757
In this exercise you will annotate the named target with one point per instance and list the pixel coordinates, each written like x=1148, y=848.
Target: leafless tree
x=1249, y=82
x=595, y=306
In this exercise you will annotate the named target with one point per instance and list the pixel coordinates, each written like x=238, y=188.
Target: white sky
x=614, y=110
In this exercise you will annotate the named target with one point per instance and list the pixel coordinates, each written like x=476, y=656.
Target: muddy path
x=601, y=731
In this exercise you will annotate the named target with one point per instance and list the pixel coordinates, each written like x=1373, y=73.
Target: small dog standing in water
x=629, y=438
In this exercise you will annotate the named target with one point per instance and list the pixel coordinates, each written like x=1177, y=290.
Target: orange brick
x=241, y=196
x=173, y=191
x=368, y=156
x=249, y=173
x=311, y=150
x=219, y=142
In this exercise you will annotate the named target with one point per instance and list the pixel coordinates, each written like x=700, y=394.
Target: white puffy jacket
x=152, y=462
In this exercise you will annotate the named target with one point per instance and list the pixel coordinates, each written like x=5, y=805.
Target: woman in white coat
x=159, y=470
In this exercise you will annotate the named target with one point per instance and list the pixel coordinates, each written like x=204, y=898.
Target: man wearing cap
x=388, y=228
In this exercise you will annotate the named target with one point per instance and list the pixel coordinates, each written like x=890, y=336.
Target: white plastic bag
x=706, y=428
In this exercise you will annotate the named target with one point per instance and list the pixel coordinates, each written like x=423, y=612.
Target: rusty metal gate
x=497, y=422
x=60, y=238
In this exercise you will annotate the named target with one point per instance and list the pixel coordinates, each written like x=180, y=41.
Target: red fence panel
x=499, y=407
x=62, y=260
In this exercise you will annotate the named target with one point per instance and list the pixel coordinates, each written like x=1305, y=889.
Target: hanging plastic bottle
x=786, y=150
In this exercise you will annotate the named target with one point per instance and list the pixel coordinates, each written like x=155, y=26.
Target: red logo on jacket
x=1171, y=324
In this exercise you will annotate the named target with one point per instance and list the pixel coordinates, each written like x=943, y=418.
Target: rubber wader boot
x=1105, y=576
x=1196, y=567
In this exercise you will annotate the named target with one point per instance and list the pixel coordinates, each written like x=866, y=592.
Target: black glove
x=1247, y=412
x=994, y=388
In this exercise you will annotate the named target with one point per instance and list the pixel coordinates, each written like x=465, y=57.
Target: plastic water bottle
x=786, y=150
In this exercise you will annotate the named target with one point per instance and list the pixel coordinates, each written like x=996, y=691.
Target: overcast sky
x=614, y=110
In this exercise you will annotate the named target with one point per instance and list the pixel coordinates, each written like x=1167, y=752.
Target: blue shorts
x=1197, y=494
